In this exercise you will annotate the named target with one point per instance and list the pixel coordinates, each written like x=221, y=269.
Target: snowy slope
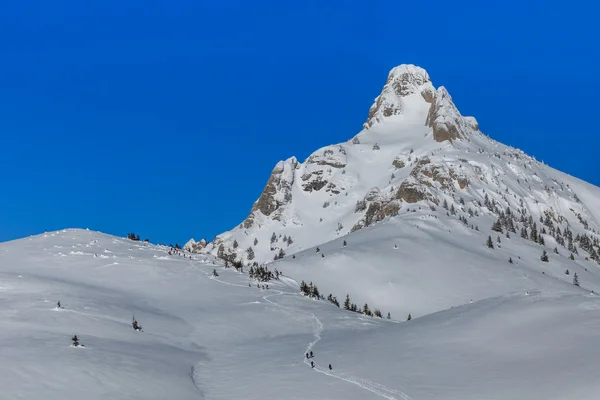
x=421, y=176
x=221, y=339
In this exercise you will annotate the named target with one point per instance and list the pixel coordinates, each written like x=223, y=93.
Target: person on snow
x=312, y=364
x=58, y=304
x=75, y=340
x=136, y=326
x=307, y=356
x=330, y=367
x=311, y=354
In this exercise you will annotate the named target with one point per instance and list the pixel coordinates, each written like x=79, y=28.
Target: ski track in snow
x=365, y=384
x=373, y=387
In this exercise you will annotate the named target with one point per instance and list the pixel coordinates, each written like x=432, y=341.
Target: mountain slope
x=218, y=338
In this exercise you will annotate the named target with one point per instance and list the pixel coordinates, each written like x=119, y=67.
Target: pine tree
x=250, y=253
x=524, y=234
x=235, y=244
x=544, y=256
x=347, y=302
x=572, y=258
x=273, y=238
x=490, y=243
x=498, y=240
x=366, y=309
x=541, y=240
x=255, y=241
x=575, y=279
x=409, y=317
x=389, y=316
x=497, y=226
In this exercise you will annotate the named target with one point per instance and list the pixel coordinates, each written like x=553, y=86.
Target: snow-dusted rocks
x=402, y=81
x=276, y=194
x=192, y=246
x=445, y=119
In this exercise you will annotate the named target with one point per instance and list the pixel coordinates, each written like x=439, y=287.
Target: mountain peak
x=403, y=82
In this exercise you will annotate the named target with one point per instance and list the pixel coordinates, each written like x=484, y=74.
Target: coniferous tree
x=572, y=258
x=389, y=316
x=366, y=309
x=235, y=244
x=544, y=256
x=498, y=240
x=490, y=243
x=575, y=279
x=250, y=253
x=273, y=238
x=347, y=304
x=524, y=234
x=255, y=241
x=497, y=226
x=409, y=317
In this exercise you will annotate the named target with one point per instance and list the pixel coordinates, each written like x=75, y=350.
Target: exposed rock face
x=411, y=191
x=276, y=193
x=445, y=119
x=403, y=81
x=192, y=246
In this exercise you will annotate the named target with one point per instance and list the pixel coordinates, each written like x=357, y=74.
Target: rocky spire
x=403, y=81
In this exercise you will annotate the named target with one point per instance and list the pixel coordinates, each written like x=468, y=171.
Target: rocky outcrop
x=445, y=119
x=276, y=194
x=192, y=246
x=411, y=191
x=403, y=81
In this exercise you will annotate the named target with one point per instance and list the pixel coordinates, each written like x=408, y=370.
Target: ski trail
x=373, y=387
x=376, y=388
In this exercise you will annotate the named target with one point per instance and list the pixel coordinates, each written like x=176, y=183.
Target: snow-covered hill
x=424, y=178
x=209, y=337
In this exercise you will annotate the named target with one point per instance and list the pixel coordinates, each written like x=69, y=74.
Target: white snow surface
x=218, y=338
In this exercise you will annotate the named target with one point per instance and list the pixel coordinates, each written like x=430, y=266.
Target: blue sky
x=166, y=118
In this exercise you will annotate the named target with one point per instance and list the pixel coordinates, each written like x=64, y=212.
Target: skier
x=312, y=364
x=311, y=355
x=75, y=341
x=330, y=367
x=307, y=356
x=58, y=304
x=136, y=326
x=267, y=286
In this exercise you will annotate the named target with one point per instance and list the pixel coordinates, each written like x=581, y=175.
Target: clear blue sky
x=166, y=118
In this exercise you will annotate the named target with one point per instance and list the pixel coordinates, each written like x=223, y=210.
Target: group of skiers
x=264, y=287
x=175, y=251
x=312, y=363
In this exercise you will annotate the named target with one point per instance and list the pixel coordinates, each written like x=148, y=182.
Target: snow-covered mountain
x=437, y=180
x=222, y=337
